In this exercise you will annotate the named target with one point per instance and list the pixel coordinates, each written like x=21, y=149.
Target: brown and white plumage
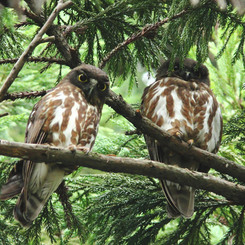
x=182, y=103
x=68, y=116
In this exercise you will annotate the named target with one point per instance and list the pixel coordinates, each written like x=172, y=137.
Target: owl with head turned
x=68, y=116
x=181, y=102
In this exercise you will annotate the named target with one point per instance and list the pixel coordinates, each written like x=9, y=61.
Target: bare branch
x=21, y=61
x=27, y=95
x=144, y=32
x=147, y=127
x=132, y=132
x=47, y=39
x=36, y=59
x=44, y=153
x=4, y=114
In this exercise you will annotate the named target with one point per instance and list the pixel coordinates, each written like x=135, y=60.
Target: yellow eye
x=82, y=78
x=102, y=87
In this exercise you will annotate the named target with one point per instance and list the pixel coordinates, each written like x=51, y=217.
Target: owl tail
x=31, y=203
x=180, y=199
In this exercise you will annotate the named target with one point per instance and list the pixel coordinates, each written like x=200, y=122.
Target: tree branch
x=27, y=95
x=208, y=159
x=44, y=153
x=21, y=61
x=35, y=59
x=4, y=114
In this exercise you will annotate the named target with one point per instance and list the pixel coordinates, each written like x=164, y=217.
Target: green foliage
x=228, y=77
x=234, y=131
x=10, y=38
x=123, y=215
x=122, y=209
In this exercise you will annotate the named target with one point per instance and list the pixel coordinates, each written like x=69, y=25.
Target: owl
x=68, y=116
x=181, y=102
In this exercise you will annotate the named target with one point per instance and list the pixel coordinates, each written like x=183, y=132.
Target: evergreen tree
x=126, y=38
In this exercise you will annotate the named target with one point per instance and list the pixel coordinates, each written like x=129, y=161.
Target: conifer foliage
x=121, y=36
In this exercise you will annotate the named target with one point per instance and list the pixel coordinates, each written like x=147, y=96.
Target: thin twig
x=4, y=114
x=23, y=58
x=26, y=95
x=47, y=39
x=132, y=132
x=146, y=30
x=36, y=59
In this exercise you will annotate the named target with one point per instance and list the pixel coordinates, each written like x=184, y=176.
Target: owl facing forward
x=181, y=102
x=67, y=116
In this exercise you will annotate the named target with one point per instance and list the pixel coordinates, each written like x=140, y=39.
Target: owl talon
x=190, y=143
x=83, y=149
x=178, y=135
x=72, y=148
x=138, y=113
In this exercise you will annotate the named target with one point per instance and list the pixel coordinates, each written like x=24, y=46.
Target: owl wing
x=34, y=134
x=34, y=129
x=20, y=174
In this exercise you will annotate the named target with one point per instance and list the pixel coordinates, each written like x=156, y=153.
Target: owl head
x=93, y=82
x=189, y=70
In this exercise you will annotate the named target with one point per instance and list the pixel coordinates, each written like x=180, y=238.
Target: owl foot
x=74, y=148
x=190, y=143
x=178, y=135
x=86, y=150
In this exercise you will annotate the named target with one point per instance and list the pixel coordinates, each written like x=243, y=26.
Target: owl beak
x=93, y=84
x=187, y=75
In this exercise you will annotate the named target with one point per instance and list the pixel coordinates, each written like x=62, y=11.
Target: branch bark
x=44, y=153
x=208, y=159
x=26, y=95
x=21, y=61
x=36, y=59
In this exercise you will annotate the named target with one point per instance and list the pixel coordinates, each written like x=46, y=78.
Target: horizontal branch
x=44, y=153
x=4, y=114
x=26, y=95
x=143, y=124
x=36, y=59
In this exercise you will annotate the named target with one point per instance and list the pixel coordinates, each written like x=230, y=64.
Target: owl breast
x=185, y=108
x=70, y=120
